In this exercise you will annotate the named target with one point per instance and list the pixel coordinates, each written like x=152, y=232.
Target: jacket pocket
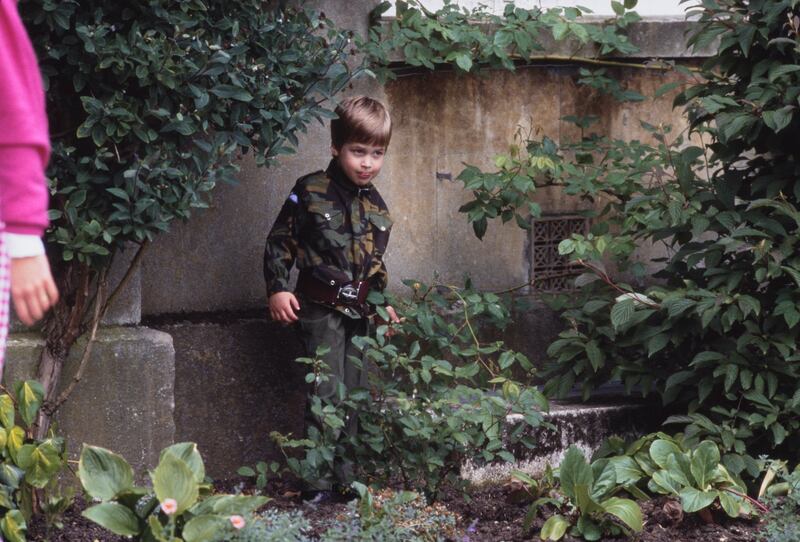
x=381, y=226
x=328, y=224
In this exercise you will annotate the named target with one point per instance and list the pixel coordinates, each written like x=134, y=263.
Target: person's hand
x=393, y=319
x=32, y=288
x=282, y=307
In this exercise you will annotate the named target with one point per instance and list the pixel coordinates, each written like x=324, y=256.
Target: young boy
x=335, y=227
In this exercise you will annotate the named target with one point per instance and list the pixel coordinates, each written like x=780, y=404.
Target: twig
x=758, y=504
x=125, y=279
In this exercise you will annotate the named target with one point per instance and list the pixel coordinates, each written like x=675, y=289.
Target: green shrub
x=179, y=507
x=438, y=396
x=782, y=522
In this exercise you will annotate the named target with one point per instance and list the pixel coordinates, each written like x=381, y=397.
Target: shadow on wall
x=236, y=382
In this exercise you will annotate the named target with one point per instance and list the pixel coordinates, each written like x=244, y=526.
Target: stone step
x=584, y=425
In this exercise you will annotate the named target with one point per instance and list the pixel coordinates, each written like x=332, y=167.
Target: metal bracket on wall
x=444, y=176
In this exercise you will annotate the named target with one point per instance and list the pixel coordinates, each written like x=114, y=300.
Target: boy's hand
x=282, y=307
x=32, y=288
x=393, y=319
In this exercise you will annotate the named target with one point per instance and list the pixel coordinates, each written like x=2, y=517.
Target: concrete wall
x=442, y=121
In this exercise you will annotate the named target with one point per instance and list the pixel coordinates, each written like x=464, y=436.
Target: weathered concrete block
x=584, y=425
x=234, y=384
x=125, y=400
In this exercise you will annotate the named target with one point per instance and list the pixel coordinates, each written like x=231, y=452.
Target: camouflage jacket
x=332, y=228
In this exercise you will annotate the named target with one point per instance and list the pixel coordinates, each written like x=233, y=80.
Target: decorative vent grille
x=551, y=271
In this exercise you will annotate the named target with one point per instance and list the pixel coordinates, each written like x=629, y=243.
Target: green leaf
x=104, y=474
x=732, y=504
x=29, y=398
x=665, y=483
x=595, y=355
x=113, y=516
x=626, y=510
x=45, y=462
x=694, y=500
x=618, y=8
x=554, y=528
x=779, y=70
x=203, y=528
x=173, y=479
x=574, y=470
x=13, y=526
x=6, y=411
x=622, y=312
x=705, y=460
x=232, y=92
x=15, y=441
x=187, y=451
x=661, y=449
x=464, y=61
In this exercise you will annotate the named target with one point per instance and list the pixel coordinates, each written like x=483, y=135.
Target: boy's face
x=359, y=161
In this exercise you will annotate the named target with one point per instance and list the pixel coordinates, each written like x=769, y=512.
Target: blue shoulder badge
x=293, y=197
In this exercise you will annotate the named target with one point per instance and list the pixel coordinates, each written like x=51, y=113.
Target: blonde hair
x=361, y=120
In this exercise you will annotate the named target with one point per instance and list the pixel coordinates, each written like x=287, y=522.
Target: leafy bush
x=437, y=395
x=27, y=464
x=716, y=336
x=152, y=104
x=589, y=493
x=179, y=506
x=274, y=526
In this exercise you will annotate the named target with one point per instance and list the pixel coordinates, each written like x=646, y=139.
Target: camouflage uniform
x=337, y=232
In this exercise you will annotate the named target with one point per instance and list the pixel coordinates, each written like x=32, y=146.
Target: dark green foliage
x=717, y=336
x=152, y=102
x=471, y=39
x=438, y=396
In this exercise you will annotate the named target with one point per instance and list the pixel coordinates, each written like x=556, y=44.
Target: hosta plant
x=591, y=507
x=27, y=463
x=179, y=506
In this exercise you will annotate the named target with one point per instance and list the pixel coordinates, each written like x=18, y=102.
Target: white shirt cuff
x=24, y=246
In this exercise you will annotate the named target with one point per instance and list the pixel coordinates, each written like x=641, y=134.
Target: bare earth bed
x=488, y=517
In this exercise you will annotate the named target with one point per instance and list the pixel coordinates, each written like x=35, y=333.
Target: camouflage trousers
x=322, y=326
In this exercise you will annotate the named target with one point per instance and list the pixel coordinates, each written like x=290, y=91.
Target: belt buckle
x=348, y=294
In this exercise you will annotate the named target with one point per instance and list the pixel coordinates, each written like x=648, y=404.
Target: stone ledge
x=584, y=425
x=124, y=402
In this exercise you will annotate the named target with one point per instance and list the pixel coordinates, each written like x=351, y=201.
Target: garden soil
x=490, y=515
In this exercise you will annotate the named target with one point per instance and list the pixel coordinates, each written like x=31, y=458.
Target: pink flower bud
x=169, y=506
x=237, y=522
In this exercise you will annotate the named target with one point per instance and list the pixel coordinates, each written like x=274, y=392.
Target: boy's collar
x=336, y=173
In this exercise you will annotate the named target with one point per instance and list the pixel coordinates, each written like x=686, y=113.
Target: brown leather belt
x=351, y=294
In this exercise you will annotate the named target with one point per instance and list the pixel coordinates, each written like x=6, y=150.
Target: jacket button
x=328, y=216
x=383, y=228
x=333, y=283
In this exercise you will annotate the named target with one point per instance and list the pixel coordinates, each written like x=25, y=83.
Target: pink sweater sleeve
x=24, y=141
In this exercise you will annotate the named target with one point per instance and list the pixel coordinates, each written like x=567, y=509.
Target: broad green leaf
x=464, y=61
x=588, y=528
x=605, y=479
x=45, y=462
x=204, y=528
x=187, y=451
x=227, y=505
x=665, y=483
x=694, y=500
x=574, y=470
x=622, y=312
x=704, y=462
x=6, y=411
x=554, y=528
x=627, y=470
x=661, y=449
x=29, y=398
x=15, y=440
x=586, y=504
x=104, y=474
x=732, y=504
x=13, y=526
x=173, y=479
x=626, y=510
x=114, y=517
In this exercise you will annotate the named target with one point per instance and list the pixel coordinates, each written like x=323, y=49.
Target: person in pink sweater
x=24, y=151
